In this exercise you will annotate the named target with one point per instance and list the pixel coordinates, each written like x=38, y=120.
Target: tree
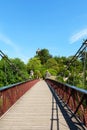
x=34, y=64
x=59, y=67
x=43, y=55
x=20, y=70
x=12, y=72
x=83, y=59
x=52, y=65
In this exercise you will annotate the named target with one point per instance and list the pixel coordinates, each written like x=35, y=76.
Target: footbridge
x=42, y=105
x=47, y=104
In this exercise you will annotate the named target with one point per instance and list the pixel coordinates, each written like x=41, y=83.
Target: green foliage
x=58, y=67
x=51, y=63
x=34, y=64
x=43, y=55
x=12, y=72
x=52, y=72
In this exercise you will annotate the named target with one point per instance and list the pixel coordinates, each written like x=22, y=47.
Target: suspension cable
x=12, y=65
x=81, y=52
x=78, y=53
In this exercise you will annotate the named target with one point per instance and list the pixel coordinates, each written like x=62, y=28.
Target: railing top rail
x=77, y=89
x=12, y=85
x=72, y=87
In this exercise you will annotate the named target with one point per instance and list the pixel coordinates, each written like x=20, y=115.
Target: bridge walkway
x=35, y=110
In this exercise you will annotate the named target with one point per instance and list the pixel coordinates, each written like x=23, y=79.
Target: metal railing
x=10, y=94
x=73, y=97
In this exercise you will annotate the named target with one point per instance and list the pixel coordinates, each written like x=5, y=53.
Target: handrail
x=75, y=98
x=77, y=89
x=11, y=93
x=13, y=85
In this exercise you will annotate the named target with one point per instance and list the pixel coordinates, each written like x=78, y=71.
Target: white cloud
x=8, y=41
x=17, y=49
x=79, y=35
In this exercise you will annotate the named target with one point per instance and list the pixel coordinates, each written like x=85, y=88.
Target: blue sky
x=57, y=25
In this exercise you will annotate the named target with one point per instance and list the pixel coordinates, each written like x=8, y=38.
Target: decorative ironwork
x=74, y=98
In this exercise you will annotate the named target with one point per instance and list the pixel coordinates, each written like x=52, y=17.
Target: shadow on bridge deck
x=38, y=110
x=72, y=121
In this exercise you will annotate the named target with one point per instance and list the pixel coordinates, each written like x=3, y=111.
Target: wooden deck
x=33, y=111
